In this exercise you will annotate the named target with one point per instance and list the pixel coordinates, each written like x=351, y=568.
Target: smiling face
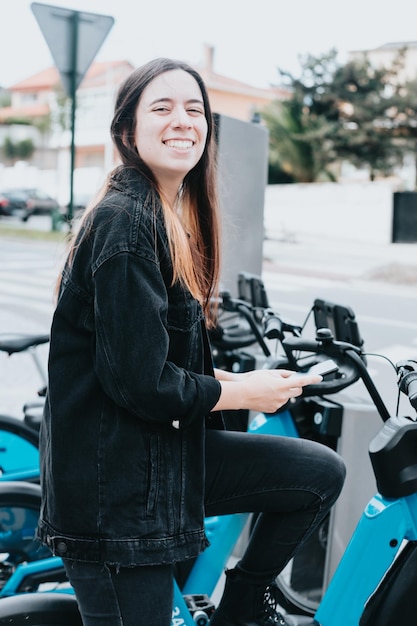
x=171, y=127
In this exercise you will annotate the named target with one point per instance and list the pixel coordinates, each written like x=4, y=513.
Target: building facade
x=385, y=56
x=40, y=102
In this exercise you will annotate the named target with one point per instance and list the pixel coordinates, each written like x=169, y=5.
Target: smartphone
x=324, y=367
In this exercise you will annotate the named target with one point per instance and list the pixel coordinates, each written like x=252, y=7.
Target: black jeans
x=292, y=482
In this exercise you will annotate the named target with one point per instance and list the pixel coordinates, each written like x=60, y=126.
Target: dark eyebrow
x=191, y=101
x=195, y=101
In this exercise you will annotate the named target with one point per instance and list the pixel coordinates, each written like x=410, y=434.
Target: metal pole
x=74, y=65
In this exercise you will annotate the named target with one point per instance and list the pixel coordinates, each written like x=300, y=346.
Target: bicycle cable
x=382, y=356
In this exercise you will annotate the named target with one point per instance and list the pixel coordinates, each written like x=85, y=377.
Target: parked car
x=12, y=202
x=29, y=201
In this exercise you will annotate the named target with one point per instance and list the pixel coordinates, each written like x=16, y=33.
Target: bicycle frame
x=19, y=454
x=377, y=539
x=384, y=525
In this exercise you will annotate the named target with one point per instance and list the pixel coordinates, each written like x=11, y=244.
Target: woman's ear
x=123, y=136
x=128, y=140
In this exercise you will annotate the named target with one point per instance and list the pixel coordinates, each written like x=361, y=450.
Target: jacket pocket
x=183, y=311
x=183, y=325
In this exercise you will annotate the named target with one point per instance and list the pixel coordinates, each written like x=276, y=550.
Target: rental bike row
x=360, y=575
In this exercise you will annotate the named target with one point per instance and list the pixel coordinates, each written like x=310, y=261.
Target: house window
x=28, y=98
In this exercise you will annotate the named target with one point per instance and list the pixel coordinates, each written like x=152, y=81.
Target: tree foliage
x=295, y=142
x=5, y=98
x=18, y=150
x=353, y=112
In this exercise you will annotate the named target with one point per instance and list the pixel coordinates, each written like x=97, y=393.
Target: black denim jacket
x=121, y=483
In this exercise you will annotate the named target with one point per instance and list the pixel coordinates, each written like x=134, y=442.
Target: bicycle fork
x=190, y=602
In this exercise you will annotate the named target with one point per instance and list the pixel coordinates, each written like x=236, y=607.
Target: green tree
x=9, y=149
x=25, y=149
x=300, y=127
x=295, y=149
x=339, y=112
x=369, y=102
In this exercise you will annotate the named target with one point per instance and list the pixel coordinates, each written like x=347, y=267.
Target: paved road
x=28, y=270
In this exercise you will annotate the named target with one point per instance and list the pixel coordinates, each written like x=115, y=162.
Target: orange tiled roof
x=36, y=110
x=98, y=72
x=47, y=79
x=224, y=83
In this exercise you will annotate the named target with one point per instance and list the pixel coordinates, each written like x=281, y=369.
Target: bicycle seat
x=42, y=608
x=19, y=343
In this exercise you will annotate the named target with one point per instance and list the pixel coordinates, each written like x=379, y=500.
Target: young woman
x=133, y=454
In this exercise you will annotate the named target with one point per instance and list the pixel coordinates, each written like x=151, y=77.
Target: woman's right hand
x=262, y=390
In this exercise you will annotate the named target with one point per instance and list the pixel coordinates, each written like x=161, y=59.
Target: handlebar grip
x=412, y=393
x=409, y=387
x=301, y=344
x=273, y=328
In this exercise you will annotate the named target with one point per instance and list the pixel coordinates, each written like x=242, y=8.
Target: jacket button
x=61, y=547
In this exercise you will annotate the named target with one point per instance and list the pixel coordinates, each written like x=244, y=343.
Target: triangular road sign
x=74, y=38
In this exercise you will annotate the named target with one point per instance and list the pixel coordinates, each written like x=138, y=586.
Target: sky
x=250, y=39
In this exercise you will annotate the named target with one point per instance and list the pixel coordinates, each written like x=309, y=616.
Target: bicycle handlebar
x=265, y=323
x=270, y=326
x=349, y=358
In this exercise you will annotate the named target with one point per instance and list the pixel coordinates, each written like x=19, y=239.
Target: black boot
x=245, y=603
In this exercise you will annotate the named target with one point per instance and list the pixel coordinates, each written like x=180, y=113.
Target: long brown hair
x=195, y=236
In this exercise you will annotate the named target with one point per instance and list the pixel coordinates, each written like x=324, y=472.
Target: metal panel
x=243, y=172
x=404, y=227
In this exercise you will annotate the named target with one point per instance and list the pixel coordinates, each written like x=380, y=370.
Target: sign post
x=74, y=38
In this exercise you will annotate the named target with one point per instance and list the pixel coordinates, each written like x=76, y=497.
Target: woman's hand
x=261, y=390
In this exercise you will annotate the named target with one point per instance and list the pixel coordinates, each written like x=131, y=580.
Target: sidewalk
x=332, y=257
x=338, y=259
